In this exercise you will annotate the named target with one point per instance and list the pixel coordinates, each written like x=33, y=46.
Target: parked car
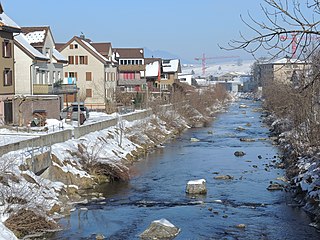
x=72, y=112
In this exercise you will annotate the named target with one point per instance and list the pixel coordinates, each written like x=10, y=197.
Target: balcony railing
x=64, y=88
x=42, y=89
x=123, y=68
x=129, y=82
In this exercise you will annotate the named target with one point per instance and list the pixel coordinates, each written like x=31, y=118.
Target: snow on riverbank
x=303, y=164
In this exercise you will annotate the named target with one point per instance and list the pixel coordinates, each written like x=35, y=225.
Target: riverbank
x=84, y=163
x=301, y=163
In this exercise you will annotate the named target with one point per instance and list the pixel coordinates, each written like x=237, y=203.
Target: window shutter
x=89, y=76
x=71, y=46
x=76, y=75
x=4, y=77
x=9, y=50
x=3, y=49
x=88, y=92
x=77, y=60
x=66, y=74
x=10, y=78
x=86, y=60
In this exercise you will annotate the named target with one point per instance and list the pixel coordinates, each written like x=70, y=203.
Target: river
x=157, y=189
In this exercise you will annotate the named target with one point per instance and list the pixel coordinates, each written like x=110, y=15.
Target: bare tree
x=282, y=20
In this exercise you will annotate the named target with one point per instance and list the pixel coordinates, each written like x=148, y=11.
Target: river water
x=157, y=189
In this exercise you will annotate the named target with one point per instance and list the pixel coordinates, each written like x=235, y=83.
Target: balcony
x=42, y=89
x=131, y=82
x=64, y=89
x=131, y=68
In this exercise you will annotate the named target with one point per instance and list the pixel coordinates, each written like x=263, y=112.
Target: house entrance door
x=8, y=114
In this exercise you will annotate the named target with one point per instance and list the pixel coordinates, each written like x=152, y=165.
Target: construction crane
x=294, y=42
x=204, y=58
x=293, y=39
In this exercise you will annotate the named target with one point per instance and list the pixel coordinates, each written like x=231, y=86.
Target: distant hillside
x=148, y=53
x=219, y=69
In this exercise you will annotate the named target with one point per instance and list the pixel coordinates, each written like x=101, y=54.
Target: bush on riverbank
x=296, y=122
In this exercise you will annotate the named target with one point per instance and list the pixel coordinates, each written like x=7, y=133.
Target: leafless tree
x=282, y=20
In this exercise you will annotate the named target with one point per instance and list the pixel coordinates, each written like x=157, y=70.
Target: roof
x=170, y=65
x=102, y=48
x=129, y=52
x=6, y=23
x=152, y=69
x=36, y=35
x=288, y=60
x=58, y=56
x=59, y=46
x=151, y=60
x=85, y=44
x=22, y=42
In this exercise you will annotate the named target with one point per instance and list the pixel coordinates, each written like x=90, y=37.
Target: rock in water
x=223, y=177
x=160, y=229
x=275, y=187
x=196, y=187
x=194, y=139
x=247, y=140
x=239, y=154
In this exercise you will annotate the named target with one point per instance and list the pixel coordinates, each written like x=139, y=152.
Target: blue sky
x=186, y=28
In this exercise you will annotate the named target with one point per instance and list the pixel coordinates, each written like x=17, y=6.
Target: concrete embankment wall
x=65, y=135
x=37, y=141
x=86, y=129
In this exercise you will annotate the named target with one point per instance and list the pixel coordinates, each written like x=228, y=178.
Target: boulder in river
x=239, y=153
x=223, y=177
x=160, y=229
x=243, y=106
x=275, y=187
x=247, y=140
x=194, y=139
x=196, y=187
x=240, y=129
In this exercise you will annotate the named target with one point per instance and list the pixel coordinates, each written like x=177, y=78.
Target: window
x=6, y=49
x=76, y=46
x=88, y=76
x=125, y=62
x=83, y=60
x=140, y=62
x=7, y=77
x=88, y=92
x=137, y=62
x=121, y=62
x=71, y=59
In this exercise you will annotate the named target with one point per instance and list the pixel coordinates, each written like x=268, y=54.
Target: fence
x=65, y=135
x=88, y=128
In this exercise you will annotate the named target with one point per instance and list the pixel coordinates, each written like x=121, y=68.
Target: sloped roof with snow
x=94, y=50
x=102, y=48
x=152, y=69
x=22, y=41
x=286, y=60
x=58, y=56
x=8, y=22
x=36, y=35
x=171, y=65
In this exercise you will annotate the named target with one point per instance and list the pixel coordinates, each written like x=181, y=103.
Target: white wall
x=22, y=72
